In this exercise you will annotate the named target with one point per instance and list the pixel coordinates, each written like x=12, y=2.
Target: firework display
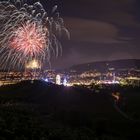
x=33, y=64
x=27, y=32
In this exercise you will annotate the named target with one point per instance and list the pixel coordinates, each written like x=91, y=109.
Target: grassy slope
x=45, y=110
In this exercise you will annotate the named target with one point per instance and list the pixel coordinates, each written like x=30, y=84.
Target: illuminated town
x=72, y=77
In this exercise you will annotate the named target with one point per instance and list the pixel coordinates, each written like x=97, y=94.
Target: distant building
x=33, y=64
x=58, y=79
x=65, y=82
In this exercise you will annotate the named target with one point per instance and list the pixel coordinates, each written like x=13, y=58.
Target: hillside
x=59, y=98
x=43, y=110
x=104, y=65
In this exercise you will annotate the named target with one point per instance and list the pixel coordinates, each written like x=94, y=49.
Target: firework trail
x=27, y=33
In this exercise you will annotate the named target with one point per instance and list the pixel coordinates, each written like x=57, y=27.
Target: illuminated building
x=65, y=82
x=33, y=64
x=33, y=67
x=58, y=79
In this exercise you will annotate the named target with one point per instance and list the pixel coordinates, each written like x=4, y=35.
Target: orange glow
x=116, y=96
x=34, y=64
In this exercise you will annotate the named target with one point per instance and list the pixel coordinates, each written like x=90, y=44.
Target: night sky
x=100, y=30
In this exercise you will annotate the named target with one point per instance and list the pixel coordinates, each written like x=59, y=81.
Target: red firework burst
x=30, y=39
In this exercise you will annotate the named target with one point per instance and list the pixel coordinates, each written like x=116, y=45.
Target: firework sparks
x=27, y=33
x=30, y=39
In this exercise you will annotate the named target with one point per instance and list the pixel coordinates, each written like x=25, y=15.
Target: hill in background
x=103, y=66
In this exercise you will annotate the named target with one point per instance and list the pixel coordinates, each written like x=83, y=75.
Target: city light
x=33, y=64
x=46, y=80
x=58, y=79
x=65, y=82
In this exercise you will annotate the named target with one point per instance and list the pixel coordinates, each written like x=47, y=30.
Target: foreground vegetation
x=43, y=111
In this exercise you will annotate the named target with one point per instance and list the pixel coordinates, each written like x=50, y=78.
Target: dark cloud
x=100, y=30
x=92, y=31
x=81, y=52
